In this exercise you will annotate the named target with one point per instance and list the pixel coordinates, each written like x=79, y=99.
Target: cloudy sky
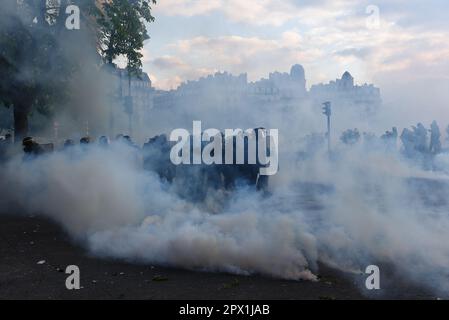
x=404, y=49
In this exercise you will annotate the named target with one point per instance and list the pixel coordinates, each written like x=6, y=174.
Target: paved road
x=25, y=241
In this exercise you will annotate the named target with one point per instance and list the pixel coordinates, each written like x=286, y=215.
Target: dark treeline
x=40, y=54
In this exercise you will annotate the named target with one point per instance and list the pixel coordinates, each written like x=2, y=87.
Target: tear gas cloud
x=364, y=206
x=367, y=205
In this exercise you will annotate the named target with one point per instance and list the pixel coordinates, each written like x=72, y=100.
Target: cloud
x=236, y=54
x=308, y=12
x=167, y=83
x=168, y=62
x=254, y=12
x=186, y=7
x=328, y=50
x=260, y=12
x=326, y=37
x=356, y=52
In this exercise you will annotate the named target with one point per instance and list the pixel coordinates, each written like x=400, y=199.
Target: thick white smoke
x=362, y=207
x=103, y=197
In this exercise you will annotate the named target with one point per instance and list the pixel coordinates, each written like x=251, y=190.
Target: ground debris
x=326, y=298
x=234, y=283
x=159, y=278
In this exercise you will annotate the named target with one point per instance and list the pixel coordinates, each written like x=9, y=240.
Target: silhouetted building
x=344, y=94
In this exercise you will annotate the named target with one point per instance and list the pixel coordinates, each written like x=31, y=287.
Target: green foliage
x=39, y=56
x=123, y=30
x=350, y=136
x=34, y=62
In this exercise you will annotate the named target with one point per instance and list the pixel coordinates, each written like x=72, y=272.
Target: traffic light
x=327, y=112
x=327, y=109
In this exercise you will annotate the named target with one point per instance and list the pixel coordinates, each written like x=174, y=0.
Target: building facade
x=132, y=101
x=138, y=98
x=284, y=88
x=343, y=93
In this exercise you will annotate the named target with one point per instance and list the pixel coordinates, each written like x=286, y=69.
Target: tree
x=435, y=143
x=34, y=63
x=350, y=136
x=37, y=59
x=17, y=87
x=123, y=31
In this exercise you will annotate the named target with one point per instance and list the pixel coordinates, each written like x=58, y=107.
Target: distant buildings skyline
x=273, y=77
x=284, y=91
x=279, y=87
x=406, y=55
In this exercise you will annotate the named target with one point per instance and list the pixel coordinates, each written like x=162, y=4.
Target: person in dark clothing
x=33, y=149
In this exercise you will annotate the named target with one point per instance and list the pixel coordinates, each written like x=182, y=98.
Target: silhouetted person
x=8, y=138
x=420, y=138
x=435, y=143
x=85, y=140
x=390, y=138
x=408, y=141
x=103, y=141
x=69, y=143
x=156, y=157
x=32, y=149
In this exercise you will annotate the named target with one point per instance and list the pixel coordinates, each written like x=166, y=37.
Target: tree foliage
x=350, y=136
x=38, y=55
x=123, y=31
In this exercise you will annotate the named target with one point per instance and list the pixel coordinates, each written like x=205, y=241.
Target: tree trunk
x=20, y=123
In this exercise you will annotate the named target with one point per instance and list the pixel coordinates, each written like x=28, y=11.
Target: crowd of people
x=418, y=143
x=191, y=181
x=415, y=141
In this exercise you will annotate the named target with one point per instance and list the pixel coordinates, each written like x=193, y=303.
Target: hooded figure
x=435, y=143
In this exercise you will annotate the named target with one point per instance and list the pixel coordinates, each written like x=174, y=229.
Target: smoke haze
x=365, y=206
